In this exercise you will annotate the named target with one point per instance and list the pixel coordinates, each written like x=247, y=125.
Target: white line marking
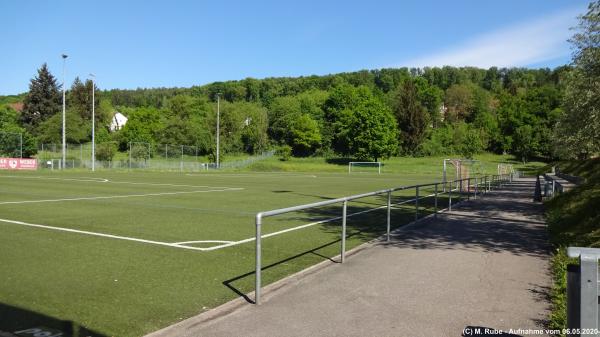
x=268, y=175
x=102, y=235
x=182, y=244
x=104, y=180
x=118, y=196
x=201, y=241
x=83, y=179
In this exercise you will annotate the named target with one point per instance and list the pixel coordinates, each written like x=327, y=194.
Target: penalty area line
x=119, y=196
x=126, y=238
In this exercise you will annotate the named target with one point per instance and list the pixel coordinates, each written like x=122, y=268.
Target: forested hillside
x=365, y=115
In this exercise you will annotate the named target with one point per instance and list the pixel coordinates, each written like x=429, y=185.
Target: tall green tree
x=411, y=116
x=578, y=131
x=361, y=125
x=305, y=135
x=43, y=99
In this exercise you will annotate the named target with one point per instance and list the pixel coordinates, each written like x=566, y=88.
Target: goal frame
x=458, y=169
x=505, y=168
x=378, y=163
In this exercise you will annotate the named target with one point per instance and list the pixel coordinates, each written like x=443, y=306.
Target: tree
x=524, y=144
x=360, y=125
x=305, y=136
x=105, y=152
x=459, y=101
x=578, y=130
x=80, y=99
x=43, y=100
x=11, y=135
x=372, y=131
x=411, y=116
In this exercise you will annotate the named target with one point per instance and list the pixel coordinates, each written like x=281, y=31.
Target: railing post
x=417, y=203
x=460, y=189
x=343, y=246
x=258, y=259
x=573, y=296
x=468, y=188
x=450, y=197
x=389, y=213
x=435, y=193
x=476, y=186
x=589, y=286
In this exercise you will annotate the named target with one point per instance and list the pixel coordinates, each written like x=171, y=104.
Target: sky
x=143, y=44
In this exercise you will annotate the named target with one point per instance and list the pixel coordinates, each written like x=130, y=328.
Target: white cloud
x=539, y=40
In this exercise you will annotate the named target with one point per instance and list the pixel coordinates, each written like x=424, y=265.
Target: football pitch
x=126, y=253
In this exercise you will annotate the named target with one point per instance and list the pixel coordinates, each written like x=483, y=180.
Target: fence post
x=476, y=187
x=130, y=155
x=435, y=192
x=343, y=247
x=460, y=189
x=258, y=259
x=450, y=197
x=389, y=213
x=417, y=203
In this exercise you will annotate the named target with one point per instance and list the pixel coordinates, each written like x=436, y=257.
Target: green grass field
x=126, y=253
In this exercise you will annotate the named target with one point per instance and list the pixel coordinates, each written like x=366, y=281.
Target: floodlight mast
x=64, y=137
x=218, y=126
x=93, y=122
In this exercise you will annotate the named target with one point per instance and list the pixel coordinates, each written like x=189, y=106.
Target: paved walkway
x=483, y=265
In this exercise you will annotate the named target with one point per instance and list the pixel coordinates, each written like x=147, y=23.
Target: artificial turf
x=92, y=285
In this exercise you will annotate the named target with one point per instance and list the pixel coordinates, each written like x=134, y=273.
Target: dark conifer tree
x=43, y=99
x=412, y=117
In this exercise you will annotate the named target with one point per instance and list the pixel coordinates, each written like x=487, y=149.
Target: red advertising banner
x=18, y=164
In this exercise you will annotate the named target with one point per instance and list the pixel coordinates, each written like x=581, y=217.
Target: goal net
x=504, y=169
x=364, y=167
x=455, y=169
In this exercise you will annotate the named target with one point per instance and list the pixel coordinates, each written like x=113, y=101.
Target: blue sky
x=130, y=44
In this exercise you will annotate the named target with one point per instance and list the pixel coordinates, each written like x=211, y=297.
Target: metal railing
x=468, y=185
x=583, y=292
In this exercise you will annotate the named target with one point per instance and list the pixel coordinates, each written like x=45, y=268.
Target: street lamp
x=64, y=134
x=93, y=122
x=218, y=126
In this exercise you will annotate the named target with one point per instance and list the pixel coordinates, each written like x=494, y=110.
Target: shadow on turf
x=229, y=283
x=23, y=323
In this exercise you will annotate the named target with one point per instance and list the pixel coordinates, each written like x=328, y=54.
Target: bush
x=106, y=151
x=284, y=152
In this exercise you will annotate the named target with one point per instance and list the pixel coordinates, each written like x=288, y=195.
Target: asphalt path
x=485, y=265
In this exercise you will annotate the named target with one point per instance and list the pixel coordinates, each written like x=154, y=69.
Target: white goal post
x=353, y=164
x=460, y=169
x=504, y=169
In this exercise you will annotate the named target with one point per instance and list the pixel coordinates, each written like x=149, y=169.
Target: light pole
x=64, y=134
x=218, y=125
x=93, y=122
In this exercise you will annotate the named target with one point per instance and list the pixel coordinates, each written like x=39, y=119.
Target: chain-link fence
x=11, y=144
x=137, y=155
